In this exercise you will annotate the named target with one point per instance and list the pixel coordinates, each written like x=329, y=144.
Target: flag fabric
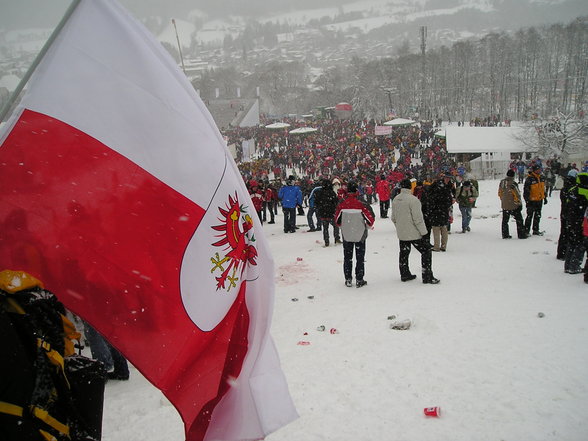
x=119, y=193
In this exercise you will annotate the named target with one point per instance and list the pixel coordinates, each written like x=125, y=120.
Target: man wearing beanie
x=411, y=230
x=354, y=217
x=512, y=205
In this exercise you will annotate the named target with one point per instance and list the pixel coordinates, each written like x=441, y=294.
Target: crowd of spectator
x=342, y=148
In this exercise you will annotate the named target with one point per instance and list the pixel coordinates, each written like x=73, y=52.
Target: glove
x=545, y=201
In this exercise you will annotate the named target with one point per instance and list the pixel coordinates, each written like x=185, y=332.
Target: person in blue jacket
x=291, y=196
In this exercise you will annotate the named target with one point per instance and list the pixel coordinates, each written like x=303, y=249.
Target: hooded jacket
x=508, y=192
x=326, y=201
x=353, y=216
x=534, y=187
x=383, y=190
x=290, y=195
x=466, y=195
x=407, y=216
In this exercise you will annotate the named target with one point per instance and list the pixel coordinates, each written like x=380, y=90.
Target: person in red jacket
x=369, y=192
x=383, y=191
x=257, y=198
x=270, y=198
x=354, y=217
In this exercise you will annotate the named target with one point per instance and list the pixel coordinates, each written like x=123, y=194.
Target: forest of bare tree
x=535, y=72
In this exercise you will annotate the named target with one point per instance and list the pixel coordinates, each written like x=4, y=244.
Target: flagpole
x=179, y=45
x=14, y=96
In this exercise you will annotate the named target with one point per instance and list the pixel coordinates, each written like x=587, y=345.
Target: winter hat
x=510, y=173
x=536, y=167
x=405, y=183
x=573, y=173
x=352, y=187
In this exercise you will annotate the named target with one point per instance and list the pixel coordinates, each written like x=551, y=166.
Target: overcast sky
x=25, y=14
x=17, y=14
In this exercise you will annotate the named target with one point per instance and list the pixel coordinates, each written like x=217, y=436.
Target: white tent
x=278, y=125
x=400, y=122
x=303, y=130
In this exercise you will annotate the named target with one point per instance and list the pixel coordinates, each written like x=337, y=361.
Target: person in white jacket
x=407, y=216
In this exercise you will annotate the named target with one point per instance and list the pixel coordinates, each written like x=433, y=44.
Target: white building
x=496, y=147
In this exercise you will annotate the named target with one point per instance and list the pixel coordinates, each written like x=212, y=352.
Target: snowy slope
x=477, y=347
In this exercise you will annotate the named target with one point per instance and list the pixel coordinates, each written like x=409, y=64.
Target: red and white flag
x=119, y=193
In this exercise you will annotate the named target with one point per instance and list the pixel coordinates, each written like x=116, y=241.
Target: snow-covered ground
x=477, y=347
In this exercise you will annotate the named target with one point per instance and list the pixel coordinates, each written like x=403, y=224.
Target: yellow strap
x=54, y=357
x=47, y=435
x=10, y=409
x=14, y=306
x=70, y=334
x=44, y=416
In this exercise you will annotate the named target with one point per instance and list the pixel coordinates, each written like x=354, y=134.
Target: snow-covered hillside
x=478, y=346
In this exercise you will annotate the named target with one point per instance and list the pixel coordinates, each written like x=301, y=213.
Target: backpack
x=47, y=392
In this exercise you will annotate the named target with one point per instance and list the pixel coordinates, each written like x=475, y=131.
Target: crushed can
x=402, y=325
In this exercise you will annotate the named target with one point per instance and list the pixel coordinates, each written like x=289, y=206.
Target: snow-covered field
x=477, y=346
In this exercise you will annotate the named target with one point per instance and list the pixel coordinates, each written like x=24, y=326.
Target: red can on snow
x=433, y=411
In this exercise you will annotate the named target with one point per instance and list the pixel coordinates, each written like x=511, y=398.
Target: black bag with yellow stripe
x=41, y=395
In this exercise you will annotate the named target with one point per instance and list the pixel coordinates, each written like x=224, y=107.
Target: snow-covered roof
x=484, y=139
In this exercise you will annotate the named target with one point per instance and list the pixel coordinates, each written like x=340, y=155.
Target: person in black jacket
x=576, y=205
x=326, y=201
x=562, y=242
x=439, y=200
